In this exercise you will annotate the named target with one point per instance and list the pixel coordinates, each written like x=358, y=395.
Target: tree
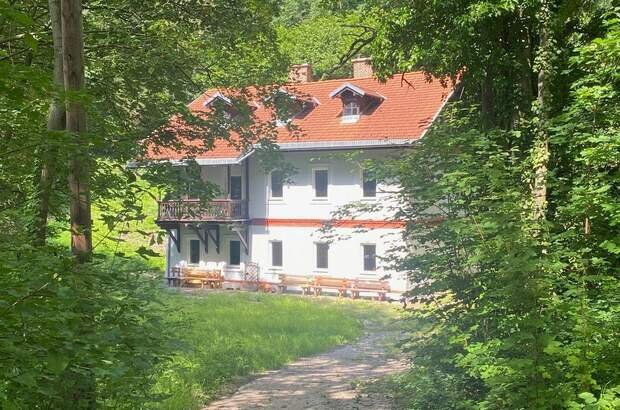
x=79, y=174
x=80, y=331
x=503, y=270
x=55, y=122
x=324, y=34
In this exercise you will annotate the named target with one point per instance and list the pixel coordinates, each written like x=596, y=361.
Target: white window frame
x=274, y=198
x=363, y=270
x=282, y=123
x=329, y=180
x=349, y=118
x=316, y=256
x=272, y=266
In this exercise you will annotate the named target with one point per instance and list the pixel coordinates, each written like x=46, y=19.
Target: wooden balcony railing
x=192, y=210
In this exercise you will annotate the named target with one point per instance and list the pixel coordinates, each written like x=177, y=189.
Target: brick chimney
x=300, y=73
x=362, y=67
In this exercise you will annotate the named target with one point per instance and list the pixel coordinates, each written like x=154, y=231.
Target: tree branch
x=366, y=37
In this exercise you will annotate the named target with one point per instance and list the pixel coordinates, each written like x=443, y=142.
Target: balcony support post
x=242, y=233
x=203, y=238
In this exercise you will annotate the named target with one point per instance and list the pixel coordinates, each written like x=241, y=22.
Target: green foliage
x=320, y=33
x=513, y=310
x=93, y=335
x=62, y=326
x=321, y=41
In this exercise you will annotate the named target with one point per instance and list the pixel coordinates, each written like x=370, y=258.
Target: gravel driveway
x=326, y=381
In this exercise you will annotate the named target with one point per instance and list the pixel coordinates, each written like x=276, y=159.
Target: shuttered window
x=276, y=253
x=194, y=251
x=235, y=253
x=322, y=250
x=370, y=258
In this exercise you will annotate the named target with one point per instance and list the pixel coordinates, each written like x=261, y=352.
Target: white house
x=273, y=222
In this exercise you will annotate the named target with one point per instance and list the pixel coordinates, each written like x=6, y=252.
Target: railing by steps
x=193, y=210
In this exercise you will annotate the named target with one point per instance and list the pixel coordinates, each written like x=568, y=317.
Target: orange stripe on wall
x=339, y=223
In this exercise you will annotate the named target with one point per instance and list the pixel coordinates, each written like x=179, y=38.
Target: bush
x=88, y=335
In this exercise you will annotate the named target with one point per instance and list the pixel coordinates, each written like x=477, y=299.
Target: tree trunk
x=55, y=122
x=541, y=147
x=79, y=173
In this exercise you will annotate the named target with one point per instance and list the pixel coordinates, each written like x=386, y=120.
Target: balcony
x=192, y=210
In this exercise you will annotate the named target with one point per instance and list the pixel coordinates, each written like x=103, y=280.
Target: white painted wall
x=345, y=256
x=345, y=186
x=298, y=202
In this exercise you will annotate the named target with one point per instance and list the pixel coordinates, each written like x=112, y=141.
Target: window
x=235, y=187
x=277, y=181
x=320, y=183
x=370, y=258
x=369, y=184
x=276, y=253
x=286, y=107
x=194, y=251
x=235, y=253
x=322, y=250
x=350, y=110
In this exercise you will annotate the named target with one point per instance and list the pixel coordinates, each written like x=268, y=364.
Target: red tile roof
x=410, y=104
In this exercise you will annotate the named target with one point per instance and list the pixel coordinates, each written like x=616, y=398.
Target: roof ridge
x=297, y=84
x=352, y=78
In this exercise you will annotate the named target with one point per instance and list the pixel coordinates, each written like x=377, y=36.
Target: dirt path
x=325, y=381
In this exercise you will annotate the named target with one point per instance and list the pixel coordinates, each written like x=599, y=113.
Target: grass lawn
x=228, y=335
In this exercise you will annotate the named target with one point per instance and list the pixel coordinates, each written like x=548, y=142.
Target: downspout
x=247, y=186
x=247, y=206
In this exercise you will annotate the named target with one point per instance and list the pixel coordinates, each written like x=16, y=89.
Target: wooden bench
x=325, y=282
x=304, y=282
x=206, y=278
x=380, y=287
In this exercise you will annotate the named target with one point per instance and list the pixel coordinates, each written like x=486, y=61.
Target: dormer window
x=218, y=97
x=355, y=101
x=288, y=106
x=222, y=104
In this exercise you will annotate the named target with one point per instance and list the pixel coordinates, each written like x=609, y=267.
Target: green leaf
x=587, y=397
x=31, y=42
x=57, y=363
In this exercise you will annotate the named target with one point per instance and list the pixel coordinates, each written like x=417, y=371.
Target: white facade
x=295, y=218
